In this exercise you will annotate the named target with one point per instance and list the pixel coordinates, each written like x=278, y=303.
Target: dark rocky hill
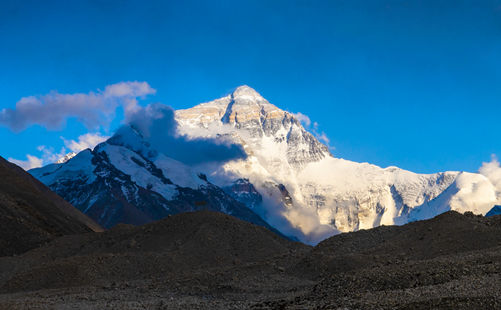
x=180, y=252
x=450, y=233
x=209, y=260
x=452, y=261
x=31, y=214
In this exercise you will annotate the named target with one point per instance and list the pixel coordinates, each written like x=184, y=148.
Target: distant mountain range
x=287, y=180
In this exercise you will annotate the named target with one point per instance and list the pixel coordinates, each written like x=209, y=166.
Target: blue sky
x=415, y=84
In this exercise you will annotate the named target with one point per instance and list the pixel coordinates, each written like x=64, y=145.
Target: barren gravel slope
x=31, y=214
x=208, y=260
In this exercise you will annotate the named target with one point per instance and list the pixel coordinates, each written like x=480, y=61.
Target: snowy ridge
x=66, y=157
x=123, y=180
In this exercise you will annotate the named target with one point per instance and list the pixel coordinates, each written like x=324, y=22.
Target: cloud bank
x=492, y=171
x=159, y=127
x=93, y=109
x=479, y=192
x=96, y=109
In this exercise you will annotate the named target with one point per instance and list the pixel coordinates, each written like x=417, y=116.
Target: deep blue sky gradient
x=415, y=84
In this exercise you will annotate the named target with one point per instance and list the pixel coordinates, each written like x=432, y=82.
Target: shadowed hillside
x=209, y=260
x=31, y=214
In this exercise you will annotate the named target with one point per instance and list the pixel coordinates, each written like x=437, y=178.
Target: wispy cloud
x=93, y=109
x=30, y=163
x=304, y=119
x=48, y=155
x=86, y=141
x=323, y=138
x=313, y=127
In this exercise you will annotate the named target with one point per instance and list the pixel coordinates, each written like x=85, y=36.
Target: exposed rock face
x=254, y=118
x=104, y=192
x=124, y=181
x=243, y=191
x=286, y=197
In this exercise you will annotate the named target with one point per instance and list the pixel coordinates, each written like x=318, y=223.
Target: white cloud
x=49, y=155
x=492, y=171
x=94, y=109
x=86, y=141
x=304, y=119
x=129, y=89
x=476, y=193
x=313, y=128
x=129, y=92
x=30, y=163
x=322, y=137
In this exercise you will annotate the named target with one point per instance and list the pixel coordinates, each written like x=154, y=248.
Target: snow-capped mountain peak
x=66, y=157
x=317, y=193
x=125, y=180
x=247, y=93
x=243, y=105
x=257, y=124
x=288, y=177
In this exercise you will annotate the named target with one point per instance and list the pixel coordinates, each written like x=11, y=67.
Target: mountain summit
x=288, y=177
x=242, y=105
x=246, y=92
x=317, y=193
x=257, y=122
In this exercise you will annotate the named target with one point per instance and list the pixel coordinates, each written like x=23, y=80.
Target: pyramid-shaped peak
x=245, y=91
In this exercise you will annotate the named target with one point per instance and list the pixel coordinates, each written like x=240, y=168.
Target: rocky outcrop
x=243, y=191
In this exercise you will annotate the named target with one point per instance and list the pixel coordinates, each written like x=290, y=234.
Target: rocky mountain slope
x=123, y=180
x=208, y=260
x=31, y=214
x=287, y=178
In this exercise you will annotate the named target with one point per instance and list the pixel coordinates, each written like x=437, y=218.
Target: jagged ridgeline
x=288, y=179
